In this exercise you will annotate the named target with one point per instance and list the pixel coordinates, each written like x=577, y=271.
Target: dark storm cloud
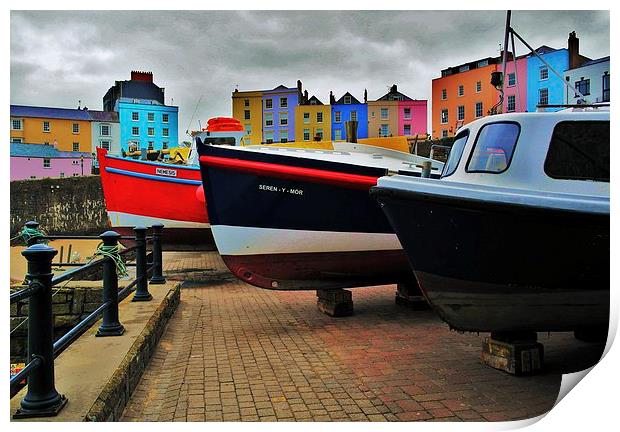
x=58, y=58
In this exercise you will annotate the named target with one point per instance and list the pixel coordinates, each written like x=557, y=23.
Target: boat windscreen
x=494, y=147
x=455, y=154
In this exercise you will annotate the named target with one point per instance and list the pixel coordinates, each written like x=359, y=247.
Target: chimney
x=574, y=59
x=393, y=89
x=305, y=96
x=365, y=96
x=299, y=92
x=332, y=99
x=142, y=76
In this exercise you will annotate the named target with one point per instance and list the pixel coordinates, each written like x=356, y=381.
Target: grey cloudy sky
x=60, y=57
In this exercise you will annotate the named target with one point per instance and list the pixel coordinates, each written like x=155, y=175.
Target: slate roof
x=52, y=113
x=595, y=61
x=44, y=151
x=353, y=100
x=103, y=116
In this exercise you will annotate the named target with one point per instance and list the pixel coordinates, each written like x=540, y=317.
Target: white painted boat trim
x=236, y=240
x=120, y=219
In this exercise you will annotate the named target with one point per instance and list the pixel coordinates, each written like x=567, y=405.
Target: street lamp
x=82, y=163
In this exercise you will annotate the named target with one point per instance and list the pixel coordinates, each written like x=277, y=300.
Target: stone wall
x=72, y=205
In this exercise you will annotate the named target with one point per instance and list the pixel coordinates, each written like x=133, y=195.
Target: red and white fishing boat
x=141, y=192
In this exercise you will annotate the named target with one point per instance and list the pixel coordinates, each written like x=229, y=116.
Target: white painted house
x=591, y=79
x=105, y=131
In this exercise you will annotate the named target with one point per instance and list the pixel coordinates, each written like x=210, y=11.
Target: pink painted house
x=37, y=161
x=514, y=102
x=412, y=117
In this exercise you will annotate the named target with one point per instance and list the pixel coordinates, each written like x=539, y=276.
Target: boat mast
x=505, y=53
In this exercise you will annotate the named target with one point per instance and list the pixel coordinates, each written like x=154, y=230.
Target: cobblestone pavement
x=233, y=352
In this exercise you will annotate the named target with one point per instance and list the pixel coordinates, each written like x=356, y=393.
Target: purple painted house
x=279, y=113
x=37, y=161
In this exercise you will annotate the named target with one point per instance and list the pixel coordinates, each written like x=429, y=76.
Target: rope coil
x=113, y=252
x=28, y=234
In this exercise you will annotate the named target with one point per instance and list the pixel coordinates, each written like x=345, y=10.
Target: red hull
x=155, y=190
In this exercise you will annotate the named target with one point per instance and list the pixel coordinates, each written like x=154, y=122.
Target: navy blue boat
x=515, y=235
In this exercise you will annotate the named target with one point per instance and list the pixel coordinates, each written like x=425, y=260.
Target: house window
x=461, y=90
x=135, y=116
x=483, y=63
x=319, y=117
x=246, y=102
x=46, y=126
x=337, y=135
x=444, y=133
x=150, y=131
x=510, y=104
x=583, y=87
x=269, y=137
x=407, y=113
x=33, y=177
x=319, y=134
x=478, y=86
x=478, y=109
x=444, y=94
x=444, y=116
x=76, y=146
x=105, y=145
x=283, y=139
x=544, y=73
x=269, y=119
x=75, y=174
x=76, y=128
x=306, y=117
x=151, y=145
x=337, y=117
x=16, y=124
x=283, y=119
x=407, y=129
x=385, y=130
x=353, y=115
x=165, y=132
x=283, y=102
x=543, y=96
x=17, y=140
x=47, y=163
x=606, y=87
x=150, y=117
x=306, y=134
x=135, y=130
x=268, y=103
x=164, y=118
x=460, y=114
x=104, y=130
x=248, y=129
x=74, y=162
x=464, y=68
x=347, y=100
x=62, y=175
x=164, y=145
x=511, y=79
x=246, y=114
x=384, y=113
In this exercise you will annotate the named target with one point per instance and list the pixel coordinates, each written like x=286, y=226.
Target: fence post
x=32, y=225
x=42, y=399
x=157, y=277
x=142, y=289
x=110, y=325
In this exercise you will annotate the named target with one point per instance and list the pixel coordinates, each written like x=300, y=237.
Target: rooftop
x=48, y=112
x=44, y=151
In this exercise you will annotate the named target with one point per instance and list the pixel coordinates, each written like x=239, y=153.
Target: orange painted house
x=462, y=94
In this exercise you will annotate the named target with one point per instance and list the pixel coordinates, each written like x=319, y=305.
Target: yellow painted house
x=247, y=107
x=66, y=129
x=313, y=120
x=382, y=118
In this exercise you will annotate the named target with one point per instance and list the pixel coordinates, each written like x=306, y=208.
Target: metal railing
x=42, y=399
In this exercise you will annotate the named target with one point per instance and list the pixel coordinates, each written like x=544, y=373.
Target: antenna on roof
x=192, y=119
x=79, y=104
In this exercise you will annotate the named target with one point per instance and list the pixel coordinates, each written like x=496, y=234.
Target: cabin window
x=455, y=154
x=494, y=148
x=579, y=150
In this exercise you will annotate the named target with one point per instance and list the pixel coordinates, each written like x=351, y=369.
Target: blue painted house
x=543, y=86
x=146, y=122
x=279, y=113
x=345, y=109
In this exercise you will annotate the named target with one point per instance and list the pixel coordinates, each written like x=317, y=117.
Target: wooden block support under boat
x=409, y=294
x=512, y=353
x=335, y=302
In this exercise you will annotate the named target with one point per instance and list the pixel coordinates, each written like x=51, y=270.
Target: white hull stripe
x=120, y=219
x=235, y=240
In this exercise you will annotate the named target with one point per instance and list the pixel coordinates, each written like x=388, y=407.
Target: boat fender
x=200, y=194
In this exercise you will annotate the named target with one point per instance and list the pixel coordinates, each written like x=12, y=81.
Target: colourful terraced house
x=247, y=107
x=278, y=112
x=312, y=120
x=396, y=114
x=348, y=108
x=37, y=161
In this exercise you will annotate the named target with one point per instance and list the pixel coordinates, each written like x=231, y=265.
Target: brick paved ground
x=234, y=352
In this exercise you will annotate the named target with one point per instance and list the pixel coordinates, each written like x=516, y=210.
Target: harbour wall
x=72, y=205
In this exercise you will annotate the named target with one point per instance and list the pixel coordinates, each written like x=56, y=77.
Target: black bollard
x=157, y=277
x=110, y=325
x=42, y=399
x=142, y=289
